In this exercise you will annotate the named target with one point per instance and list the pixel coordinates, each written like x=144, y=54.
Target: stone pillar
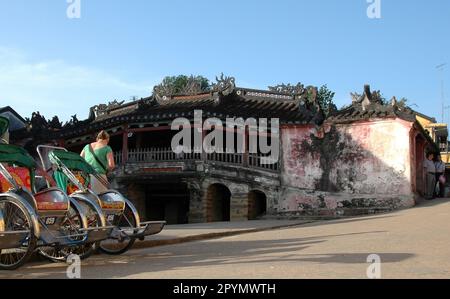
x=239, y=207
x=273, y=201
x=197, y=204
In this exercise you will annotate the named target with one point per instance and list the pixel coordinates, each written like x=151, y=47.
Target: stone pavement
x=411, y=243
x=176, y=234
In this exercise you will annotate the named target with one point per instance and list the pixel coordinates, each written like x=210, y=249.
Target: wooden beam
x=150, y=129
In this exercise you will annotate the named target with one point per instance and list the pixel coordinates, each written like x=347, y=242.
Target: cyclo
x=47, y=220
x=73, y=173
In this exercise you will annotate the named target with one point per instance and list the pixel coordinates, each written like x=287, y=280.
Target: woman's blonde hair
x=103, y=135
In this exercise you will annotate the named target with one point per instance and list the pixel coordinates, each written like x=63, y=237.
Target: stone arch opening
x=257, y=204
x=218, y=202
x=169, y=201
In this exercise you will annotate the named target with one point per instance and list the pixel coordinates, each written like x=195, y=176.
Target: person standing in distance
x=101, y=157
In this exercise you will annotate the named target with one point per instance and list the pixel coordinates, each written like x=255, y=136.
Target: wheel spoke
x=16, y=219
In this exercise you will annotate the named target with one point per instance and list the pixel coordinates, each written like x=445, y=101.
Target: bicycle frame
x=140, y=231
x=80, y=197
x=47, y=215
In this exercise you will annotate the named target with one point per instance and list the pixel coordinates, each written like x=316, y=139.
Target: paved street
x=413, y=243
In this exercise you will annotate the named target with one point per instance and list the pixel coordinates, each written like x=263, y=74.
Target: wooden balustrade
x=152, y=155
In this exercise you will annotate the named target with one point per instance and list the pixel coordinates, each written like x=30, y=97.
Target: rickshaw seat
x=52, y=199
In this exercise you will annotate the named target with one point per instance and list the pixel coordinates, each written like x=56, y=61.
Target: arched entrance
x=218, y=201
x=257, y=204
x=167, y=201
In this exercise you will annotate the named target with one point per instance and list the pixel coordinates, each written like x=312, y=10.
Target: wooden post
x=125, y=147
x=245, y=160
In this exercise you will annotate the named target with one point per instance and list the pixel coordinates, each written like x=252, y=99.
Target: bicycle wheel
x=93, y=218
x=126, y=221
x=17, y=219
x=71, y=225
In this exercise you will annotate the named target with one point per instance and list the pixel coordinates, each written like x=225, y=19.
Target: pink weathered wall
x=301, y=168
x=358, y=165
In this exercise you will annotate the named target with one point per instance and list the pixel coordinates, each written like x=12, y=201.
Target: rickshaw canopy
x=15, y=155
x=4, y=125
x=72, y=161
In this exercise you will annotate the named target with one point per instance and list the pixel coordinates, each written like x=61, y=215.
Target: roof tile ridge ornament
x=394, y=101
x=163, y=92
x=146, y=103
x=225, y=85
x=296, y=91
x=192, y=87
x=356, y=97
x=102, y=109
x=367, y=98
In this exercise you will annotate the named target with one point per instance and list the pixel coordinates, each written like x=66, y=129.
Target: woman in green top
x=100, y=156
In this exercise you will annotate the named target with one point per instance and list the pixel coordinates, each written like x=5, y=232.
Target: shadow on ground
x=205, y=254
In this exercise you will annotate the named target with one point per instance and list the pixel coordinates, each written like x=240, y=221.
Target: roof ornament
x=55, y=123
x=394, y=102
x=225, y=85
x=192, y=87
x=288, y=89
x=73, y=121
x=146, y=103
x=356, y=97
x=367, y=98
x=164, y=90
x=116, y=104
x=180, y=86
x=37, y=122
x=311, y=97
x=103, y=109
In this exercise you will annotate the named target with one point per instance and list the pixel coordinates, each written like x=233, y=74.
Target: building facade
x=365, y=158
x=439, y=133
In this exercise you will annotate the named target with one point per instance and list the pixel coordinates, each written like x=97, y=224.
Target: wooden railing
x=225, y=158
x=152, y=155
x=259, y=161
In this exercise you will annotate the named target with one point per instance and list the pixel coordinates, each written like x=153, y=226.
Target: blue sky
x=120, y=49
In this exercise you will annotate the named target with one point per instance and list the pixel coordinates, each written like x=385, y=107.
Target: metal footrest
x=52, y=238
x=148, y=229
x=152, y=227
x=13, y=239
x=96, y=234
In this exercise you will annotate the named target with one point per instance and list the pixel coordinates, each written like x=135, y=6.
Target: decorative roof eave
x=296, y=115
x=369, y=106
x=359, y=120
x=224, y=86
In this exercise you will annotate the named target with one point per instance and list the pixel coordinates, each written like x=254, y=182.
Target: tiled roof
x=369, y=107
x=240, y=102
x=245, y=103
